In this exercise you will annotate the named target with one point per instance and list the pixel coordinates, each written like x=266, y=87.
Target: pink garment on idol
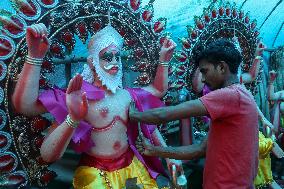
x=232, y=148
x=54, y=101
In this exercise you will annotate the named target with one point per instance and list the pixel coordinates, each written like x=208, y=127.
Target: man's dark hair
x=221, y=50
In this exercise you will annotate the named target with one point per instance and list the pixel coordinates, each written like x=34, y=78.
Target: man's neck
x=233, y=79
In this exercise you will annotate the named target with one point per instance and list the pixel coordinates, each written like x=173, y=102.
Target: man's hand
x=177, y=173
x=132, y=110
x=272, y=76
x=269, y=127
x=167, y=50
x=176, y=163
x=277, y=151
x=76, y=101
x=144, y=146
x=37, y=41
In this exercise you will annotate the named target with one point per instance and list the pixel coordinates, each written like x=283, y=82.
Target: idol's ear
x=90, y=60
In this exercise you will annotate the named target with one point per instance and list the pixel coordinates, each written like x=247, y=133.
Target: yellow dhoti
x=93, y=178
x=264, y=175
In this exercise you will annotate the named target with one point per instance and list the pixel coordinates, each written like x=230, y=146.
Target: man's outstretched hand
x=132, y=110
x=144, y=146
x=277, y=151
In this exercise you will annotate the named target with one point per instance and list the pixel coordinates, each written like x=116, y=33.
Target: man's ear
x=197, y=84
x=222, y=66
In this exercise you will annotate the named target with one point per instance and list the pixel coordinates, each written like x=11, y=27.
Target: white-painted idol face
x=104, y=53
x=109, y=69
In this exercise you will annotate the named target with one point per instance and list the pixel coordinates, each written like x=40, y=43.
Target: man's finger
x=141, y=150
x=280, y=136
x=138, y=144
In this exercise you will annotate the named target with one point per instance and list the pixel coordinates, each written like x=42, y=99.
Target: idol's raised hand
x=37, y=41
x=259, y=49
x=272, y=75
x=76, y=100
x=167, y=50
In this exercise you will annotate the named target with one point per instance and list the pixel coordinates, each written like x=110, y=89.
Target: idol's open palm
x=76, y=100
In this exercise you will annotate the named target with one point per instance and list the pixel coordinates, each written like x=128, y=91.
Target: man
x=232, y=144
x=277, y=97
x=93, y=114
x=277, y=114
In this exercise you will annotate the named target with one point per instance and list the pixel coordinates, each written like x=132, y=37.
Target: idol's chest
x=109, y=107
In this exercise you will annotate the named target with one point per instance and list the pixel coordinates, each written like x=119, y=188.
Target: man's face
x=197, y=84
x=110, y=59
x=212, y=75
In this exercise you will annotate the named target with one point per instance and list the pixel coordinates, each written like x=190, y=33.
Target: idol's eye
x=117, y=56
x=108, y=56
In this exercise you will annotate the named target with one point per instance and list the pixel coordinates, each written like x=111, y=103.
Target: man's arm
x=160, y=142
x=162, y=115
x=268, y=127
x=181, y=153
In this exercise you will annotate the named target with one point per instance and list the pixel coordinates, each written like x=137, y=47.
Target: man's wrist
x=153, y=150
x=261, y=119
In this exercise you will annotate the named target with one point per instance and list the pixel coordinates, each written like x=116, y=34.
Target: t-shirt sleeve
x=221, y=103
